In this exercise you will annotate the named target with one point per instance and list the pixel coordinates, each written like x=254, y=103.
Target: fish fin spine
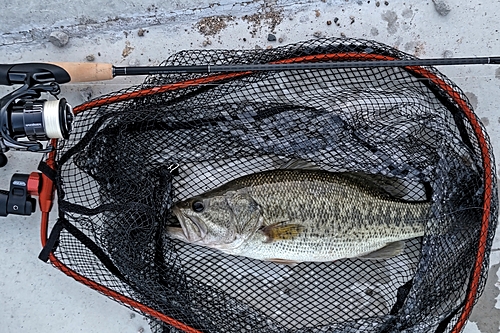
x=388, y=251
x=283, y=261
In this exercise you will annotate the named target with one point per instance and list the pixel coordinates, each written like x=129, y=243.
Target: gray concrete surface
x=36, y=297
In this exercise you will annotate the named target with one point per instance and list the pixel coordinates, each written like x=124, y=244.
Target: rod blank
x=151, y=70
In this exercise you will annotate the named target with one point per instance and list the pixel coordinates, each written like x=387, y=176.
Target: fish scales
x=338, y=220
x=337, y=216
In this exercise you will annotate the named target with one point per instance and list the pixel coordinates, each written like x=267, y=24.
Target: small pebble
x=377, y=4
x=59, y=38
x=90, y=57
x=280, y=40
x=140, y=330
x=442, y=7
x=336, y=19
x=271, y=37
x=352, y=19
x=386, y=3
x=342, y=35
x=141, y=32
x=328, y=22
x=99, y=54
x=269, y=47
x=244, y=39
x=318, y=34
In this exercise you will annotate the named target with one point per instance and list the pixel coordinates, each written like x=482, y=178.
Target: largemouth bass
x=292, y=216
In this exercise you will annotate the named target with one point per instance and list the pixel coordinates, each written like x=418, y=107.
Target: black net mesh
x=129, y=161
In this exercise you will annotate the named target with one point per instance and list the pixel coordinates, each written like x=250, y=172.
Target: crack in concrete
x=84, y=26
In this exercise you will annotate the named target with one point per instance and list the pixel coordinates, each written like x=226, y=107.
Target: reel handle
x=18, y=200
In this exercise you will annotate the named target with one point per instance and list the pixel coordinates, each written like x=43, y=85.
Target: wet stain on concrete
x=497, y=73
x=392, y=21
x=485, y=314
x=414, y=47
x=472, y=99
x=448, y=54
x=407, y=13
x=410, y=46
x=485, y=121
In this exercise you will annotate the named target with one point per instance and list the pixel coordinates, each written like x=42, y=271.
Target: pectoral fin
x=388, y=251
x=281, y=231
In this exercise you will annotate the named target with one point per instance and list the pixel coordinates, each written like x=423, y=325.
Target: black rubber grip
x=18, y=73
x=4, y=75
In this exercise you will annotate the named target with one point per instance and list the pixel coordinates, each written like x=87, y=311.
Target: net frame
x=480, y=265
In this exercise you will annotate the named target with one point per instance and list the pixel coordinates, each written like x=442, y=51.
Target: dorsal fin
x=394, y=188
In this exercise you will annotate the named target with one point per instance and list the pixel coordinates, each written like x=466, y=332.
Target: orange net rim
x=48, y=191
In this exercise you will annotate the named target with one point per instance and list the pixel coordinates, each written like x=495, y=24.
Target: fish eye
x=198, y=206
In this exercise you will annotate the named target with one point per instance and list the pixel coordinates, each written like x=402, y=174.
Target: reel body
x=25, y=119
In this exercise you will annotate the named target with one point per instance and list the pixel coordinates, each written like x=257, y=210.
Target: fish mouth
x=189, y=228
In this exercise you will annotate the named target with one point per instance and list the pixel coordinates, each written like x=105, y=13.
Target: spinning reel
x=25, y=120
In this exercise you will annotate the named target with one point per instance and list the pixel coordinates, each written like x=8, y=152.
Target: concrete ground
x=35, y=297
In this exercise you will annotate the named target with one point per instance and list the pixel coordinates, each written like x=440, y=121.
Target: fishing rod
x=85, y=72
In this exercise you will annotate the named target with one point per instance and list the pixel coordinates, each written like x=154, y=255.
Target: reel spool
x=40, y=120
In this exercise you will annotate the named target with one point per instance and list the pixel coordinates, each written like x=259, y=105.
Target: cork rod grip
x=85, y=72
